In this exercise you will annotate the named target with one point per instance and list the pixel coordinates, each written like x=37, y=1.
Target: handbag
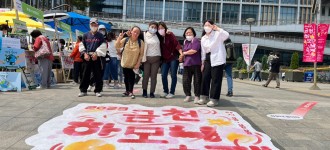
x=43, y=50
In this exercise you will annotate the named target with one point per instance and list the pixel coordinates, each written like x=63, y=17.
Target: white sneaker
x=187, y=99
x=196, y=100
x=169, y=96
x=163, y=95
x=98, y=94
x=212, y=103
x=82, y=94
x=89, y=88
x=116, y=86
x=203, y=100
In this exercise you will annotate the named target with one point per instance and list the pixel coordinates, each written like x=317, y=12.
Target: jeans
x=257, y=76
x=120, y=71
x=228, y=70
x=173, y=65
x=111, y=68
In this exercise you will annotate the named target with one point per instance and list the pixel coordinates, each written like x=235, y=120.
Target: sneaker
x=203, y=100
x=196, y=100
x=212, y=103
x=98, y=94
x=152, y=95
x=277, y=87
x=163, y=95
x=187, y=99
x=169, y=96
x=264, y=85
x=89, y=88
x=132, y=96
x=126, y=94
x=74, y=83
x=116, y=86
x=82, y=94
x=229, y=94
x=145, y=95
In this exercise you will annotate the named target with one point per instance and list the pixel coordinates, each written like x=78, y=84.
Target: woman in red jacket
x=77, y=61
x=45, y=63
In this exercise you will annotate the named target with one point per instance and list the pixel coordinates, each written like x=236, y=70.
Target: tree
x=294, y=61
x=239, y=63
x=79, y=4
x=265, y=66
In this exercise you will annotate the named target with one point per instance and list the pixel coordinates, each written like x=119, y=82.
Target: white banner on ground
x=247, y=52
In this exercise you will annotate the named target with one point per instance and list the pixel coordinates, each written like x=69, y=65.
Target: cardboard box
x=58, y=75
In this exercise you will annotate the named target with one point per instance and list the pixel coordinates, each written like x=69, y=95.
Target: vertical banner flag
x=321, y=40
x=31, y=11
x=246, y=55
x=309, y=53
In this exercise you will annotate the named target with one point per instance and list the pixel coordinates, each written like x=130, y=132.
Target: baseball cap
x=93, y=20
x=101, y=27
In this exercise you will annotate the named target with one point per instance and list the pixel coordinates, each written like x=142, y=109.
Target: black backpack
x=231, y=54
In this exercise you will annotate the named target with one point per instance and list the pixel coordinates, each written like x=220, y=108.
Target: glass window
x=323, y=11
x=232, y=0
x=154, y=9
x=249, y=11
x=329, y=12
x=173, y=11
x=192, y=11
x=230, y=14
x=211, y=11
x=289, y=1
x=305, y=15
x=251, y=1
x=268, y=15
x=270, y=1
x=135, y=9
x=288, y=15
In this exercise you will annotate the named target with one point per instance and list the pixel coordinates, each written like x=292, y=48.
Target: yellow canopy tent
x=13, y=13
x=10, y=15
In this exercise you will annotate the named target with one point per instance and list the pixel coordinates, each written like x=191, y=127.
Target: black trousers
x=77, y=76
x=129, y=79
x=257, y=76
x=188, y=74
x=103, y=63
x=88, y=67
x=214, y=74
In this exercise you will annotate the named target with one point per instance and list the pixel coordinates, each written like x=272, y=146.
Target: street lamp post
x=250, y=21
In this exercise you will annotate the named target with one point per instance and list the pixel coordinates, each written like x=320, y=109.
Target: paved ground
x=22, y=113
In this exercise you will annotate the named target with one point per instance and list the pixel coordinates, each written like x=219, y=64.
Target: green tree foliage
x=239, y=63
x=79, y=4
x=294, y=61
x=265, y=66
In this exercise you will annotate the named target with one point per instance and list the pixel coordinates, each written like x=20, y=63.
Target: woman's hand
x=86, y=57
x=137, y=66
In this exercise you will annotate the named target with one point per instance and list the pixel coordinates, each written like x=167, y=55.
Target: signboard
x=64, y=26
x=20, y=26
x=11, y=43
x=314, y=44
x=22, y=38
x=29, y=77
x=67, y=62
x=128, y=127
x=11, y=57
x=321, y=40
x=79, y=33
x=31, y=11
x=246, y=54
x=10, y=82
x=19, y=5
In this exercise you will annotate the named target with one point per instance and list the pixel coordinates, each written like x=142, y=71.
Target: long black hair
x=209, y=21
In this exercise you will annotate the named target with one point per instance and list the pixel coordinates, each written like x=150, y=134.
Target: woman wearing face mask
x=131, y=57
x=151, y=59
x=213, y=62
x=171, y=49
x=192, y=64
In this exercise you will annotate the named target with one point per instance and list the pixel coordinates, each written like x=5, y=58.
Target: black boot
x=145, y=94
x=152, y=95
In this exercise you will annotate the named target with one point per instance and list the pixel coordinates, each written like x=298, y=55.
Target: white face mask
x=94, y=29
x=189, y=38
x=102, y=32
x=161, y=32
x=207, y=29
x=152, y=30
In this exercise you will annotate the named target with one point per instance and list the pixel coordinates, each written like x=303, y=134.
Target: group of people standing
x=97, y=54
